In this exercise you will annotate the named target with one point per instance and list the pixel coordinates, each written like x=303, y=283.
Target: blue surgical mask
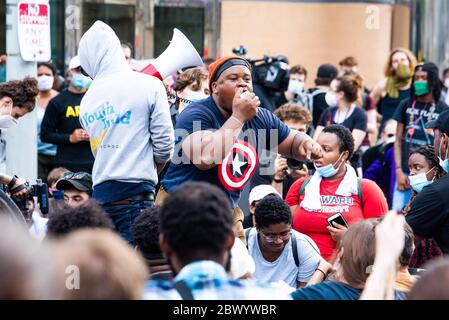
x=79, y=81
x=443, y=163
x=419, y=181
x=329, y=170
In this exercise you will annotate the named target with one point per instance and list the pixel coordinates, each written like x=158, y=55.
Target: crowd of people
x=347, y=185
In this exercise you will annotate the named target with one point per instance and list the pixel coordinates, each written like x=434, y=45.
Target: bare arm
x=390, y=235
x=402, y=180
x=378, y=91
x=358, y=136
x=317, y=132
x=205, y=149
x=300, y=146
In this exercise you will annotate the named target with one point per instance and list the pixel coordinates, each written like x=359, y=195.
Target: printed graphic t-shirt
x=414, y=116
x=314, y=223
x=237, y=166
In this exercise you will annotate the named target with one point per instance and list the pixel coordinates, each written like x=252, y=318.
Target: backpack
x=305, y=98
x=293, y=244
x=359, y=189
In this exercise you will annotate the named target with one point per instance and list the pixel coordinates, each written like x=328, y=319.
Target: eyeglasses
x=76, y=175
x=272, y=237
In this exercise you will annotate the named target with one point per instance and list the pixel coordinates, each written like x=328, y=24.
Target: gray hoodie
x=125, y=113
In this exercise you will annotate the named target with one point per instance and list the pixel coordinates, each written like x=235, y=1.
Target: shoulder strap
x=359, y=191
x=247, y=231
x=183, y=290
x=294, y=249
x=303, y=186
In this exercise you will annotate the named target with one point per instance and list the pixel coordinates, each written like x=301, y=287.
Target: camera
x=269, y=72
x=39, y=190
x=294, y=164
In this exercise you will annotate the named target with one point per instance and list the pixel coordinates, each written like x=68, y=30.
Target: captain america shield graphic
x=238, y=166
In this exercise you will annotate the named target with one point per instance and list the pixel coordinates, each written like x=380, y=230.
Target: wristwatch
x=278, y=180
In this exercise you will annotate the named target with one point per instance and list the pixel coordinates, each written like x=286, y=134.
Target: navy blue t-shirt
x=327, y=290
x=334, y=290
x=239, y=165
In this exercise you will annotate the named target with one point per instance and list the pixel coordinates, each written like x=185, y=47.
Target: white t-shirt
x=284, y=267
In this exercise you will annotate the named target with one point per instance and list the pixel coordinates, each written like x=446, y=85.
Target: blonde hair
x=410, y=56
x=110, y=269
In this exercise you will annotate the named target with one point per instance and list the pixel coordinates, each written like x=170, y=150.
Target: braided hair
x=427, y=152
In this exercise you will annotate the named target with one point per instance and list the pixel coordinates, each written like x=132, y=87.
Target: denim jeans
x=123, y=216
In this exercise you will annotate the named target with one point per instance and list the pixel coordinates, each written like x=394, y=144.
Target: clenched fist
x=244, y=105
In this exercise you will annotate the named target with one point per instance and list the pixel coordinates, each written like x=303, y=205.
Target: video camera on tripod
x=270, y=76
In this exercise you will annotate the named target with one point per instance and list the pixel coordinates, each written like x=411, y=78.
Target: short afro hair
x=196, y=218
x=272, y=210
x=146, y=230
x=345, y=138
x=66, y=219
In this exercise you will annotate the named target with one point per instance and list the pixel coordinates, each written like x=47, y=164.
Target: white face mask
x=295, y=86
x=331, y=99
x=7, y=120
x=446, y=83
x=196, y=95
x=44, y=82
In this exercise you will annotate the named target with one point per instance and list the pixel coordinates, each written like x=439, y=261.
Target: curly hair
x=191, y=76
x=145, y=230
x=66, y=219
x=272, y=210
x=295, y=112
x=344, y=136
x=22, y=92
x=196, y=218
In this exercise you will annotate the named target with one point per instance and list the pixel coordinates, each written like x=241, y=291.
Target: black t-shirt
x=429, y=213
x=356, y=120
x=60, y=120
x=414, y=116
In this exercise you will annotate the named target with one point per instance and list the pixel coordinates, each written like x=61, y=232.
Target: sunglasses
x=76, y=175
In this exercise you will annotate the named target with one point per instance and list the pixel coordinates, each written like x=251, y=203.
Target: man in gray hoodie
x=127, y=117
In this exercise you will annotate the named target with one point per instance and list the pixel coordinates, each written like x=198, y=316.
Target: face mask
x=443, y=163
x=295, y=86
x=79, y=81
x=7, y=121
x=403, y=72
x=331, y=99
x=329, y=170
x=419, y=181
x=196, y=95
x=44, y=83
x=446, y=83
x=421, y=88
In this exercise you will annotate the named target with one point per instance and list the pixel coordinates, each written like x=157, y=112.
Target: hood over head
x=100, y=51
